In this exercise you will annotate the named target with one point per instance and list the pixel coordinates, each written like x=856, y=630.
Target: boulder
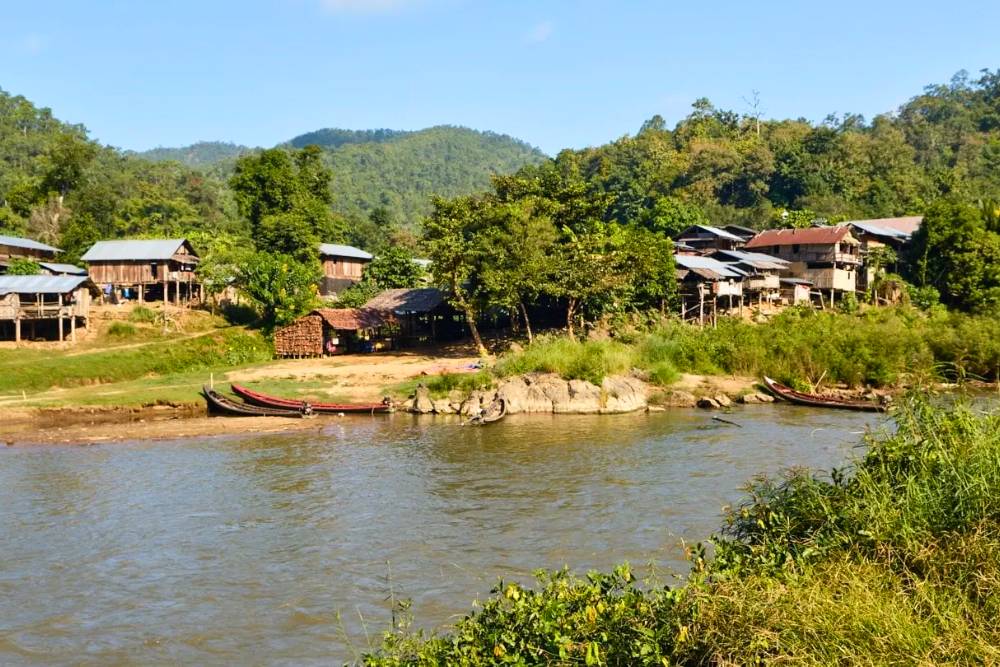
x=623, y=394
x=530, y=393
x=764, y=398
x=472, y=405
x=580, y=397
x=708, y=403
x=680, y=399
x=749, y=399
x=422, y=402
x=442, y=406
x=723, y=400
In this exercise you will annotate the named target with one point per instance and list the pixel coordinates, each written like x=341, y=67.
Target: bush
x=142, y=314
x=121, y=330
x=897, y=562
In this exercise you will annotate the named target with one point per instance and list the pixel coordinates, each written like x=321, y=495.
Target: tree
x=393, y=268
x=450, y=237
x=954, y=252
x=281, y=287
x=23, y=267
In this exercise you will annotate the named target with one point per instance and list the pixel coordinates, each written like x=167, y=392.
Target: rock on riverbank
x=543, y=393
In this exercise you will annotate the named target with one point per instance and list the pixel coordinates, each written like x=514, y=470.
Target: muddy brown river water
x=285, y=549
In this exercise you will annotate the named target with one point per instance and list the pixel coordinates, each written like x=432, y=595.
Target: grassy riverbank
x=880, y=347
x=894, y=560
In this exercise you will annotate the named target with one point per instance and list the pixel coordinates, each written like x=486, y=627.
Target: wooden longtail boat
x=266, y=401
x=219, y=404
x=496, y=412
x=817, y=401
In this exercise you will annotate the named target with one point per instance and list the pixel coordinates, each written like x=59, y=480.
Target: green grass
x=441, y=385
x=880, y=347
x=894, y=560
x=36, y=370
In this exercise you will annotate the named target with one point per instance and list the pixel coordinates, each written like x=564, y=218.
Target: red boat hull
x=812, y=400
x=267, y=401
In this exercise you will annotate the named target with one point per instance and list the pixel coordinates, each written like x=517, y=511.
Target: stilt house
x=50, y=307
x=342, y=266
x=15, y=247
x=145, y=270
x=828, y=257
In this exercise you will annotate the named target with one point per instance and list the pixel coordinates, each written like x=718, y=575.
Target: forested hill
x=390, y=169
x=199, y=155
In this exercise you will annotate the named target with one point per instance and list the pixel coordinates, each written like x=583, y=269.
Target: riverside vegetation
x=894, y=559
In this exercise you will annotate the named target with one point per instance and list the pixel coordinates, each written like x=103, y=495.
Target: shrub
x=121, y=330
x=142, y=314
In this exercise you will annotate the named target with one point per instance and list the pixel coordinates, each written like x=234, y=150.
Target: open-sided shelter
x=422, y=315
x=145, y=270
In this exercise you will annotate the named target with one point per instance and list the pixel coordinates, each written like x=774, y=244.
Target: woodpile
x=301, y=338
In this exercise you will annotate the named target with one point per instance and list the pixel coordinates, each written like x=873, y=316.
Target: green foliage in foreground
x=879, y=347
x=23, y=370
x=895, y=561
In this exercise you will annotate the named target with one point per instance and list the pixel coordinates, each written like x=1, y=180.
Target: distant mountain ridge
x=381, y=168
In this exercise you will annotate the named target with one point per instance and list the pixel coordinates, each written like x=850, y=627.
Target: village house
x=705, y=284
x=342, y=267
x=892, y=233
x=828, y=257
x=761, y=273
x=145, y=270
x=15, y=247
x=706, y=237
x=48, y=307
x=744, y=233
x=422, y=315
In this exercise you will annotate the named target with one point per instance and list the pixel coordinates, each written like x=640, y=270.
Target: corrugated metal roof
x=139, y=249
x=906, y=224
x=40, y=284
x=757, y=260
x=715, y=231
x=807, y=236
x=695, y=262
x=401, y=301
x=353, y=319
x=337, y=250
x=877, y=230
x=28, y=244
x=68, y=269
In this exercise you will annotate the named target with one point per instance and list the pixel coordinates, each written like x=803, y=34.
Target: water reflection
x=285, y=548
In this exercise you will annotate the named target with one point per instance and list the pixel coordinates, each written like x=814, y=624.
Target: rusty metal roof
x=807, y=236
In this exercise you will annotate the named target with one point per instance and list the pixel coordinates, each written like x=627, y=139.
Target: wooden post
x=701, y=305
x=60, y=318
x=17, y=328
x=177, y=292
x=72, y=327
x=142, y=293
x=166, y=292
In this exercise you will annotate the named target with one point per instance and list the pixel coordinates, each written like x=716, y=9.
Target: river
x=285, y=549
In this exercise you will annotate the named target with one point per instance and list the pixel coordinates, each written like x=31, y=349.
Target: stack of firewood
x=301, y=338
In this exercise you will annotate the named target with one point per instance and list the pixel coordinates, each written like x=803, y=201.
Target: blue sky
x=556, y=74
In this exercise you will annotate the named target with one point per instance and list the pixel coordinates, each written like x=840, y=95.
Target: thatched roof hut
x=308, y=336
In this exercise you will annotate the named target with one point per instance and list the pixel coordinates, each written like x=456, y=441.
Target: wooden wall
x=135, y=273
x=8, y=252
x=343, y=267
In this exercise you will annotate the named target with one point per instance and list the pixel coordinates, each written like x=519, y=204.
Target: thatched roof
x=353, y=319
x=403, y=301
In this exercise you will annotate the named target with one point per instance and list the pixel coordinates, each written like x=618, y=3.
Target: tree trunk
x=527, y=322
x=570, y=311
x=470, y=318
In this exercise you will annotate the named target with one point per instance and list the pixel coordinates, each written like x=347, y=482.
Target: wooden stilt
x=17, y=329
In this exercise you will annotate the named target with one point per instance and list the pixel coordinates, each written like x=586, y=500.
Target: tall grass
x=799, y=347
x=895, y=560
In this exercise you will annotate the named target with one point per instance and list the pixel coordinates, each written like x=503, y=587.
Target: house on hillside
x=761, y=273
x=892, y=233
x=145, y=270
x=15, y=247
x=706, y=284
x=828, y=257
x=706, y=237
x=47, y=307
x=342, y=266
x=329, y=331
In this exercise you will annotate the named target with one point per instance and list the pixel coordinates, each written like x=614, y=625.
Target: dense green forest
x=585, y=206
x=393, y=170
